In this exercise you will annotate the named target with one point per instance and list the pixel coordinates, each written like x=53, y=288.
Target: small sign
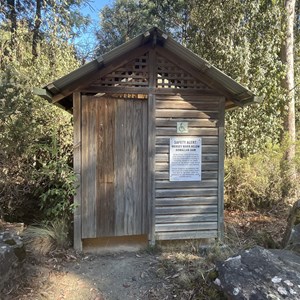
x=182, y=127
x=185, y=159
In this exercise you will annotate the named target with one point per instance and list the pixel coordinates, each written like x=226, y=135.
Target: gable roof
x=60, y=90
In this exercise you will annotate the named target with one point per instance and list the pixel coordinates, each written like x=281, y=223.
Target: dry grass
x=192, y=273
x=43, y=239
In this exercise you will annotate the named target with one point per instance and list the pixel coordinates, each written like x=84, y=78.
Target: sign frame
x=185, y=158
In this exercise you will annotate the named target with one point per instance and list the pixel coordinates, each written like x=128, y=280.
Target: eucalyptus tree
x=35, y=136
x=44, y=18
x=124, y=19
x=288, y=82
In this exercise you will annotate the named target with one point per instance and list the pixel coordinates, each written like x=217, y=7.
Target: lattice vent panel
x=133, y=74
x=171, y=76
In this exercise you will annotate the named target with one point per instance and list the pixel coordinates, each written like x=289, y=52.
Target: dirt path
x=102, y=277
x=172, y=274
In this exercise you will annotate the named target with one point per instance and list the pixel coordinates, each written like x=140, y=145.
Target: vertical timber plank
x=109, y=166
x=84, y=161
x=138, y=142
x=145, y=205
x=129, y=163
x=85, y=167
x=119, y=157
x=77, y=170
x=221, y=170
x=100, y=165
x=151, y=145
x=92, y=162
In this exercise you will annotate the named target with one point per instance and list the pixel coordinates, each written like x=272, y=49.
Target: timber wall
x=186, y=210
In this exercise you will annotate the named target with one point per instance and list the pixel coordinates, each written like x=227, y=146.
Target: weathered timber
x=187, y=201
x=163, y=131
x=151, y=146
x=205, y=175
x=77, y=170
x=186, y=184
x=186, y=209
x=221, y=171
x=176, y=218
x=169, y=113
x=199, y=234
x=185, y=226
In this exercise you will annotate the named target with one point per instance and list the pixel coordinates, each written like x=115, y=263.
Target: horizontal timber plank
x=207, y=157
x=195, y=209
x=194, y=97
x=205, y=175
x=212, y=183
x=172, y=122
x=161, y=219
x=167, y=113
x=206, y=140
x=169, y=227
x=211, y=200
x=209, y=166
x=161, y=149
x=185, y=91
x=179, y=104
x=162, y=131
x=115, y=90
x=168, y=193
x=125, y=83
x=186, y=235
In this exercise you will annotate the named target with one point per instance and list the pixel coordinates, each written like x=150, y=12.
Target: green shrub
x=256, y=181
x=54, y=180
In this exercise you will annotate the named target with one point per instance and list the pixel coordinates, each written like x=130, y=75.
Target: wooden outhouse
x=148, y=142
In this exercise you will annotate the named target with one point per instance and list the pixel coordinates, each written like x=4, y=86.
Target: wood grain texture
x=199, y=234
x=120, y=169
x=88, y=183
x=115, y=167
x=186, y=218
x=187, y=201
x=169, y=227
x=151, y=144
x=170, y=113
x=221, y=171
x=187, y=209
x=77, y=170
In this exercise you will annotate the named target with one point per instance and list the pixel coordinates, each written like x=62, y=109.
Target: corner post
x=77, y=170
x=221, y=169
x=151, y=144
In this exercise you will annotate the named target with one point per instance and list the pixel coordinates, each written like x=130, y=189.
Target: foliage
x=44, y=239
x=258, y=180
x=54, y=178
x=243, y=38
x=124, y=19
x=31, y=128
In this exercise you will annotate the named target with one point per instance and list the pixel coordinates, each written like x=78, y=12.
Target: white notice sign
x=185, y=159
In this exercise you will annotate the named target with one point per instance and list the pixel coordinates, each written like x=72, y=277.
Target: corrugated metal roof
x=239, y=93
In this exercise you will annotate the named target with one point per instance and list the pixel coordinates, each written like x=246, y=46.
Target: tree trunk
x=288, y=83
x=12, y=15
x=36, y=30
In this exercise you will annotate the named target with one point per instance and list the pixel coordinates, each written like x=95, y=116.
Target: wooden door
x=114, y=167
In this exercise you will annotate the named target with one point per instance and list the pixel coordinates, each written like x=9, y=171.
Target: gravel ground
x=97, y=277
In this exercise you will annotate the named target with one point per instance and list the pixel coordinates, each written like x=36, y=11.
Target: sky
x=93, y=8
x=86, y=41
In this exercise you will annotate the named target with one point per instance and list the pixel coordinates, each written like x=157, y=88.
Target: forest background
x=42, y=40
